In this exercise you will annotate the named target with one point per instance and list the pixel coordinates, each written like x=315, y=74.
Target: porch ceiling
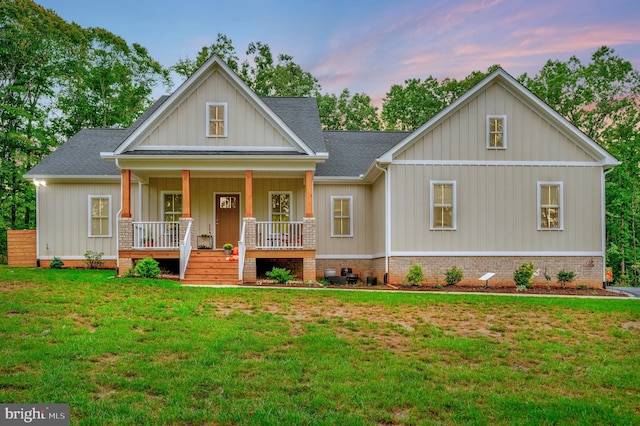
x=145, y=175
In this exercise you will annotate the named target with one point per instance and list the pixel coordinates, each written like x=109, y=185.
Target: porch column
x=186, y=193
x=308, y=199
x=248, y=193
x=125, y=190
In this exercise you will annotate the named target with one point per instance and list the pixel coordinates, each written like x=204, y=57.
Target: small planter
x=228, y=249
x=228, y=252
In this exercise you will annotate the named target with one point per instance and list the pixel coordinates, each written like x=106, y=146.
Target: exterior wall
x=63, y=220
x=496, y=210
x=461, y=136
x=361, y=243
x=377, y=214
x=186, y=125
x=588, y=269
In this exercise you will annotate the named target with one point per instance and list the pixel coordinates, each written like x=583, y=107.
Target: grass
x=146, y=352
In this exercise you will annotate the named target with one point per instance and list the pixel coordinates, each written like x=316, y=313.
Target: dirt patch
x=552, y=291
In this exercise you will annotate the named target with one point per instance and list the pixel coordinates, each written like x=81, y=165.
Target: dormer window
x=496, y=132
x=216, y=119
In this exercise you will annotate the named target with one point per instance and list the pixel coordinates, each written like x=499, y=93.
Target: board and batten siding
x=186, y=125
x=496, y=209
x=462, y=135
x=361, y=243
x=63, y=219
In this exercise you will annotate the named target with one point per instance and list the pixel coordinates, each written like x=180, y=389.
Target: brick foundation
x=588, y=270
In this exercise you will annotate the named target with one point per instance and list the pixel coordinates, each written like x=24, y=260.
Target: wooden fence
x=21, y=247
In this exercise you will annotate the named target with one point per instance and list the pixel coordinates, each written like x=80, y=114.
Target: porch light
x=39, y=182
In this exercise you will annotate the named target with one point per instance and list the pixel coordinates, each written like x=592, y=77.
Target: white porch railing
x=242, y=248
x=279, y=235
x=164, y=235
x=185, y=251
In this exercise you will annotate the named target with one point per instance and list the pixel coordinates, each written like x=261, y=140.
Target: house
x=496, y=179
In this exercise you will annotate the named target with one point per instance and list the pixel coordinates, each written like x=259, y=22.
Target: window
x=341, y=217
x=550, y=206
x=99, y=215
x=216, y=119
x=443, y=205
x=280, y=208
x=171, y=206
x=496, y=131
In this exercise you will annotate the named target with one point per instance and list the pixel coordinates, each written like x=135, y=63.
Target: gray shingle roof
x=302, y=116
x=80, y=155
x=351, y=153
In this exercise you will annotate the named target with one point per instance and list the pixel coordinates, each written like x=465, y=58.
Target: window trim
x=208, y=119
x=291, y=206
x=342, y=197
x=109, y=216
x=162, y=212
x=560, y=206
x=488, y=132
x=454, y=213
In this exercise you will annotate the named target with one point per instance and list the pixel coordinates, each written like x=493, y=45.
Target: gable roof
x=187, y=87
x=302, y=116
x=525, y=95
x=352, y=153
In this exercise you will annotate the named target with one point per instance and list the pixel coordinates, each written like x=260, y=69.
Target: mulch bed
x=553, y=291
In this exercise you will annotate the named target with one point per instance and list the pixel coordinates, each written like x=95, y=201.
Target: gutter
x=604, y=226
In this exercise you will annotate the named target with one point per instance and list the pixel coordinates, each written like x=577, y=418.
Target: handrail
x=279, y=235
x=242, y=248
x=185, y=251
x=164, y=235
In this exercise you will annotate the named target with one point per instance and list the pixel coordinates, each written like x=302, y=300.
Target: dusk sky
x=367, y=46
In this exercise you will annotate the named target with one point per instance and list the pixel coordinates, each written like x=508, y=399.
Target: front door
x=227, y=219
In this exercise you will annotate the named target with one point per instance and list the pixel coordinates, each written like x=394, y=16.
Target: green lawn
x=123, y=351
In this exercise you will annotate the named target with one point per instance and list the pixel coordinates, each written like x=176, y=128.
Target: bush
x=415, y=276
x=93, y=259
x=523, y=276
x=453, y=276
x=280, y=275
x=56, y=263
x=147, y=268
x=565, y=277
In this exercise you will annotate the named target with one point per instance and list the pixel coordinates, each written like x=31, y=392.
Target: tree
x=223, y=47
x=409, y=106
x=347, y=112
x=33, y=51
x=109, y=84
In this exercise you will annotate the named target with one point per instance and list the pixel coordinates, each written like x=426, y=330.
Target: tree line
x=57, y=78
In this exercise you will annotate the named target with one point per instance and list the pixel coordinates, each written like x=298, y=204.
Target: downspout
x=387, y=219
x=37, y=222
x=604, y=227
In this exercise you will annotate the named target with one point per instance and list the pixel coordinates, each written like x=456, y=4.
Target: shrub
x=147, y=268
x=523, y=276
x=565, y=277
x=415, y=276
x=56, y=263
x=453, y=276
x=93, y=259
x=280, y=275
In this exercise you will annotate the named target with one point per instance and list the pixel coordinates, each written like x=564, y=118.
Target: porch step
x=211, y=267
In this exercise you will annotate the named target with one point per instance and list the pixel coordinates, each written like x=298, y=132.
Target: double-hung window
x=171, y=206
x=496, y=132
x=99, y=215
x=341, y=216
x=443, y=205
x=550, y=209
x=216, y=119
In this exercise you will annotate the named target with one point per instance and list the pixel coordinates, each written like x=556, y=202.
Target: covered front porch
x=165, y=215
